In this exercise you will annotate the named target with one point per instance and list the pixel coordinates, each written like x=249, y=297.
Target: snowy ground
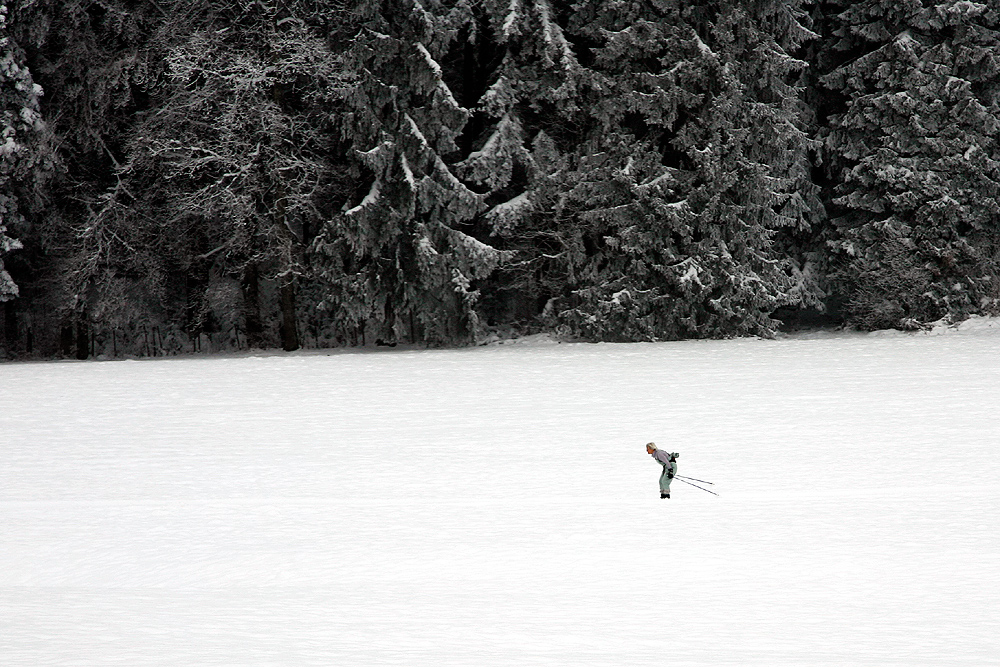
x=495, y=506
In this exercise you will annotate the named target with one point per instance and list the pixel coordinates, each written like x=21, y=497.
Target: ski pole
x=694, y=480
x=696, y=486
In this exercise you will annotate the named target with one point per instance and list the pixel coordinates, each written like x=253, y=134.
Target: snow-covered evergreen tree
x=21, y=127
x=524, y=92
x=916, y=154
x=8, y=289
x=402, y=256
x=695, y=155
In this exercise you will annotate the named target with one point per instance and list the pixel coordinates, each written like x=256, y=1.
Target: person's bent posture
x=669, y=462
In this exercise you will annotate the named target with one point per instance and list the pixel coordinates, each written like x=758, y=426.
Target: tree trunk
x=66, y=339
x=82, y=338
x=10, y=326
x=289, y=330
x=251, y=306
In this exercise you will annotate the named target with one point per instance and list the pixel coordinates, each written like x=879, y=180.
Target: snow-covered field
x=495, y=506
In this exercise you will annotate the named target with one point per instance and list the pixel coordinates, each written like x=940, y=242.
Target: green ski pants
x=665, y=480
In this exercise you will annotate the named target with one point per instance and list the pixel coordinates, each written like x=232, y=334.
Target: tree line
x=181, y=175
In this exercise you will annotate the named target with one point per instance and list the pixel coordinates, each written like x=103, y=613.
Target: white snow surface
x=495, y=506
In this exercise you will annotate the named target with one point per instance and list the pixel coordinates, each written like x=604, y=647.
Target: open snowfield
x=495, y=506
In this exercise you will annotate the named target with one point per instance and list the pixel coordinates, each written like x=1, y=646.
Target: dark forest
x=207, y=175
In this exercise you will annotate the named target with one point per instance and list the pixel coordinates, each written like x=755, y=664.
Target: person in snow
x=669, y=463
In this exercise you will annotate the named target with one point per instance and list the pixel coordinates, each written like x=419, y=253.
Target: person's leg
x=665, y=480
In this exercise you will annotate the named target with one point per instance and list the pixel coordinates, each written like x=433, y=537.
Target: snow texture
x=407, y=172
x=510, y=23
x=553, y=35
x=483, y=258
x=373, y=195
x=505, y=215
x=495, y=506
x=429, y=60
x=494, y=144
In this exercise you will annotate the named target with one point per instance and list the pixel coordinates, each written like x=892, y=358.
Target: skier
x=669, y=462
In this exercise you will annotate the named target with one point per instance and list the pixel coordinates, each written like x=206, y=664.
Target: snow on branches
x=21, y=136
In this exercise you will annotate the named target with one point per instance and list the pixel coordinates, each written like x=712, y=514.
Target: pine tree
x=663, y=216
x=916, y=156
x=525, y=97
x=401, y=257
x=23, y=150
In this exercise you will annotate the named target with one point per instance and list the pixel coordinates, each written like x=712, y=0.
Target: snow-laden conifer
x=21, y=129
x=916, y=156
x=403, y=257
x=663, y=218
